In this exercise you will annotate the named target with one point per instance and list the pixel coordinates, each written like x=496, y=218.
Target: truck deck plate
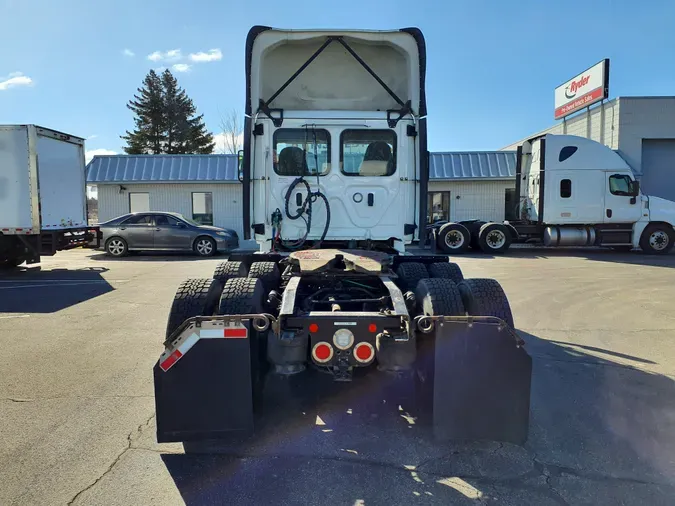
x=361, y=261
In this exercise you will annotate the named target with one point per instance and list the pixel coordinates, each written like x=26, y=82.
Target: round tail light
x=364, y=352
x=322, y=352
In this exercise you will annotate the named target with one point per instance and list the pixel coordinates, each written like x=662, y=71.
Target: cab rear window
x=368, y=152
x=301, y=151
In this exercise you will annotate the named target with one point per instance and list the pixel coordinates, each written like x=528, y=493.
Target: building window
x=439, y=207
x=139, y=202
x=301, y=151
x=202, y=208
x=368, y=152
x=565, y=188
x=510, y=204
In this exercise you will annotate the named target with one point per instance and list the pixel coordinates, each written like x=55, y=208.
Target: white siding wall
x=175, y=197
x=483, y=200
x=644, y=118
x=601, y=125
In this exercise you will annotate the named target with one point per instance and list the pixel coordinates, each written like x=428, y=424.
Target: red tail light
x=322, y=352
x=313, y=328
x=364, y=352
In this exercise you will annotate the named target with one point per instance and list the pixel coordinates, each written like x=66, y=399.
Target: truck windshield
x=301, y=151
x=368, y=152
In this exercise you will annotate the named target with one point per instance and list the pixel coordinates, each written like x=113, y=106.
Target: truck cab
x=585, y=194
x=335, y=138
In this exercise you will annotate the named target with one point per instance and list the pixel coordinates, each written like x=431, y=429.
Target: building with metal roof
x=472, y=165
x=462, y=185
x=162, y=169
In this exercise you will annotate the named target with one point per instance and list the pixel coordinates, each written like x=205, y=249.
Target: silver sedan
x=162, y=231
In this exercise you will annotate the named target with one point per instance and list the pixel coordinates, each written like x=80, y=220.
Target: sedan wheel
x=205, y=247
x=116, y=247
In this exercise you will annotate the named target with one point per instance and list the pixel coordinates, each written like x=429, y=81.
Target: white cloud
x=14, y=79
x=170, y=56
x=92, y=137
x=89, y=154
x=221, y=143
x=128, y=52
x=210, y=55
x=181, y=67
x=156, y=56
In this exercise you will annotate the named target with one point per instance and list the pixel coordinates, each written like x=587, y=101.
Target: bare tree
x=232, y=132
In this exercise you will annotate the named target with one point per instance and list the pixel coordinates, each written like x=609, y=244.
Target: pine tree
x=148, y=108
x=168, y=124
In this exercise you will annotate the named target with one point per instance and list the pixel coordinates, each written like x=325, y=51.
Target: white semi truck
x=573, y=192
x=43, y=203
x=334, y=176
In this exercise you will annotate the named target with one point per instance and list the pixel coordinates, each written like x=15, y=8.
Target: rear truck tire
x=474, y=229
x=446, y=270
x=657, y=239
x=205, y=246
x=486, y=297
x=494, y=238
x=453, y=238
x=229, y=269
x=117, y=247
x=409, y=274
x=268, y=273
x=194, y=297
x=439, y=297
x=241, y=296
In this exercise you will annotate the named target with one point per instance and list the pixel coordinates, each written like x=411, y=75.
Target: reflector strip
x=172, y=359
x=171, y=355
x=235, y=332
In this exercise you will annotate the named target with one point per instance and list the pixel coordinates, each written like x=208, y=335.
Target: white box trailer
x=43, y=202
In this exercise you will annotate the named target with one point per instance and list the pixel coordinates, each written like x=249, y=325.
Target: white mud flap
x=203, y=387
x=481, y=382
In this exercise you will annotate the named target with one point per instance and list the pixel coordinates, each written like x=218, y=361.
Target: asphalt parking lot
x=79, y=337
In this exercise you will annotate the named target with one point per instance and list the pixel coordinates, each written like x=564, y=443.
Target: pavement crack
x=16, y=399
x=112, y=465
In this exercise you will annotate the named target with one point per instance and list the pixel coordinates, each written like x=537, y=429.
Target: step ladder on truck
x=334, y=175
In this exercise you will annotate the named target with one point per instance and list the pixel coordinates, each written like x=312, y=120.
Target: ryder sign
x=587, y=88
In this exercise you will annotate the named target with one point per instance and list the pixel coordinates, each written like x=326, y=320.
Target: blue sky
x=492, y=65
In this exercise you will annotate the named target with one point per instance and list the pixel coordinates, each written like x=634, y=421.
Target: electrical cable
x=307, y=205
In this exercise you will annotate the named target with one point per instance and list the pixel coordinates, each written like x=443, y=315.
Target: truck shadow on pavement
x=33, y=290
x=597, y=255
x=601, y=432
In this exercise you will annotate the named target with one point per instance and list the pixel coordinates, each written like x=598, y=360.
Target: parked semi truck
x=43, y=203
x=334, y=175
x=572, y=192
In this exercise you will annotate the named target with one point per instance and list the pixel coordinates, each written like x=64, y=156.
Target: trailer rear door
x=61, y=174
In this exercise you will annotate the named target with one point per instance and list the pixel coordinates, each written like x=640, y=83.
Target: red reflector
x=364, y=352
x=170, y=360
x=322, y=352
x=235, y=332
x=313, y=328
x=372, y=328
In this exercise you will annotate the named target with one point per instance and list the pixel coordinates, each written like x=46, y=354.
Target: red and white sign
x=587, y=88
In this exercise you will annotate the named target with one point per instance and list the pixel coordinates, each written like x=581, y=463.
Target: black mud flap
x=207, y=394
x=481, y=383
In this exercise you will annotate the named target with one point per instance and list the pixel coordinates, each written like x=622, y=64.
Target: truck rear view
x=43, y=205
x=334, y=175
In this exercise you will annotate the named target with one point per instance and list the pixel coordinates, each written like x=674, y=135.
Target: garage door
x=658, y=168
